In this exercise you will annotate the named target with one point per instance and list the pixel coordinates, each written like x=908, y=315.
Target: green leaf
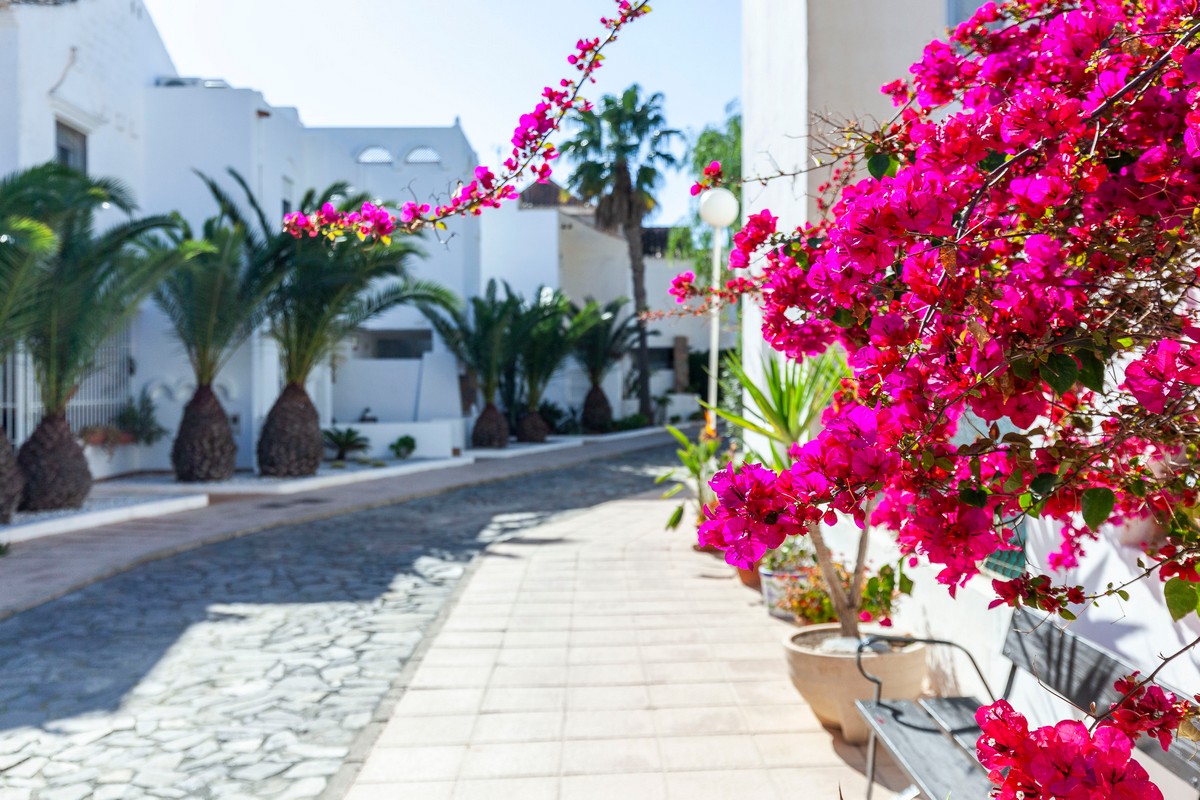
x=976, y=498
x=1043, y=484
x=878, y=165
x=1091, y=370
x=675, y=519
x=666, y=476
x=843, y=318
x=1067, y=615
x=679, y=437
x=1060, y=371
x=1181, y=598
x=1097, y=506
x=906, y=584
x=1124, y=595
x=1022, y=368
x=674, y=490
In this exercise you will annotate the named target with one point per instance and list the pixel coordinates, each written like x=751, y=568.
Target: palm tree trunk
x=12, y=482
x=491, y=429
x=597, y=412
x=291, y=445
x=637, y=266
x=531, y=427
x=204, y=449
x=56, y=470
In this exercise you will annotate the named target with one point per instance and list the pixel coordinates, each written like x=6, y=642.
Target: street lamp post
x=718, y=208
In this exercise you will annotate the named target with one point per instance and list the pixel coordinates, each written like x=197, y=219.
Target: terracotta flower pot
x=830, y=682
x=750, y=577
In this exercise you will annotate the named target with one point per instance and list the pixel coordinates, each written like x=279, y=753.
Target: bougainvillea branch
x=532, y=151
x=1011, y=265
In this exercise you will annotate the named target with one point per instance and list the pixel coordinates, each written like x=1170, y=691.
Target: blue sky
x=403, y=62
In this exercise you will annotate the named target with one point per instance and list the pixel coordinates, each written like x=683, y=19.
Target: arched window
x=375, y=155
x=423, y=155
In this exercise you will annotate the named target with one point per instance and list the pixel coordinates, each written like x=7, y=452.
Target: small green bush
x=403, y=447
x=631, y=423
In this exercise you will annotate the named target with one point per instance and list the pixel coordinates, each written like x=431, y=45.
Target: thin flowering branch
x=532, y=152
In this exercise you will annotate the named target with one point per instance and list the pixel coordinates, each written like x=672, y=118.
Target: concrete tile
x=638, y=786
x=725, y=784
x=676, y=653
x=818, y=782
x=435, y=677
x=512, y=760
x=520, y=726
x=414, y=730
x=685, y=671
x=683, y=695
x=539, y=639
x=605, y=674
x=439, y=702
x=500, y=788
x=423, y=790
x=780, y=718
x=602, y=638
x=532, y=656
x=798, y=749
x=585, y=698
x=507, y=698
x=617, y=654
x=595, y=756
x=698, y=721
x=408, y=764
x=529, y=676
x=538, y=622
x=438, y=656
x=709, y=752
x=609, y=724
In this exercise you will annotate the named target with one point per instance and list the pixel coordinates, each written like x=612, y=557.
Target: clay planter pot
x=750, y=577
x=831, y=682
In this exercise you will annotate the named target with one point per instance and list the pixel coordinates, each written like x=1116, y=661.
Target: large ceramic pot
x=750, y=577
x=775, y=584
x=830, y=681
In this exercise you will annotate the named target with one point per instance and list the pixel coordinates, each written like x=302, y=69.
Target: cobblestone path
x=247, y=668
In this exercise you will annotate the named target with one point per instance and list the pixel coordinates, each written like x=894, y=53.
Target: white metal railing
x=100, y=396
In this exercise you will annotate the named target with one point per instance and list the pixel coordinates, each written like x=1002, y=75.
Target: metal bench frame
x=1075, y=669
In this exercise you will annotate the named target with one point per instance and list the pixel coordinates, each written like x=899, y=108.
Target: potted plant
x=698, y=459
x=806, y=598
x=782, y=567
x=344, y=441
x=403, y=447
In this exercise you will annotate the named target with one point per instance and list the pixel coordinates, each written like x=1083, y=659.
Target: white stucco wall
x=521, y=247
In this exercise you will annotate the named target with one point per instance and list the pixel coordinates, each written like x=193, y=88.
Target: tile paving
x=250, y=668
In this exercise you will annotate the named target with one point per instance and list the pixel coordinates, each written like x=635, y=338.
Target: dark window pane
x=404, y=344
x=70, y=147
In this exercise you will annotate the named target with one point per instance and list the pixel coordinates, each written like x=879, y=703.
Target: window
x=661, y=357
x=423, y=155
x=375, y=155
x=287, y=189
x=70, y=146
x=404, y=344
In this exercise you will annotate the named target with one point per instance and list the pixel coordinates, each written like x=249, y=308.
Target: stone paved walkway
x=600, y=657
x=248, y=668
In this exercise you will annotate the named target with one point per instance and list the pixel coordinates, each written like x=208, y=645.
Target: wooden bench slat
x=937, y=765
x=956, y=717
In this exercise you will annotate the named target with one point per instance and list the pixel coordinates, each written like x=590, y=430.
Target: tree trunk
x=204, y=449
x=844, y=606
x=12, y=482
x=56, y=470
x=532, y=428
x=637, y=267
x=291, y=445
x=597, y=412
x=491, y=429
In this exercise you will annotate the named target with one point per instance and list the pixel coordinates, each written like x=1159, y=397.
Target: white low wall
x=435, y=439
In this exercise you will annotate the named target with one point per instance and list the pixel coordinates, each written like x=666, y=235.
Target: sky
x=404, y=62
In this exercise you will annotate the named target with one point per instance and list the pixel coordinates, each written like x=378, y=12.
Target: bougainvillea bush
x=1016, y=248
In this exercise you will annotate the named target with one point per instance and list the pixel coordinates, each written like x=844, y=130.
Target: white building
x=805, y=58
x=549, y=239
x=90, y=83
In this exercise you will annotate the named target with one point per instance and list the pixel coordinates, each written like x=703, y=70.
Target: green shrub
x=631, y=423
x=138, y=419
x=403, y=447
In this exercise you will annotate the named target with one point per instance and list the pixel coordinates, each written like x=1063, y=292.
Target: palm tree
x=619, y=152
x=598, y=350
x=330, y=290
x=92, y=284
x=23, y=242
x=544, y=339
x=214, y=304
x=478, y=337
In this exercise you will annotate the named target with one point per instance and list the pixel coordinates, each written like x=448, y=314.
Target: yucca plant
x=789, y=402
x=91, y=284
x=598, y=350
x=331, y=288
x=344, y=441
x=477, y=335
x=23, y=242
x=544, y=337
x=215, y=302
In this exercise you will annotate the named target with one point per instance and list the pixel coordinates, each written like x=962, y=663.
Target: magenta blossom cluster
x=370, y=222
x=1065, y=761
x=756, y=513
